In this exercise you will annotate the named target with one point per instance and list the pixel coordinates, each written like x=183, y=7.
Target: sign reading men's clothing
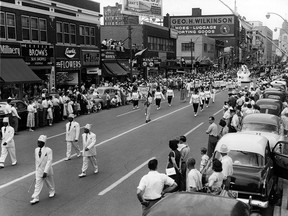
x=68, y=58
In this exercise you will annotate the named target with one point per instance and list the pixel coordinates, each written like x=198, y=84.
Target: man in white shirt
x=227, y=164
x=72, y=136
x=194, y=177
x=150, y=189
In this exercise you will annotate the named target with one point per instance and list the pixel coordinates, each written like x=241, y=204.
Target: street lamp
x=275, y=29
x=269, y=13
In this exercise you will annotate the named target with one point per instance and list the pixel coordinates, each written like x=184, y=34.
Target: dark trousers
x=169, y=99
x=195, y=107
x=158, y=102
x=108, y=104
x=212, y=141
x=135, y=103
x=146, y=208
x=14, y=123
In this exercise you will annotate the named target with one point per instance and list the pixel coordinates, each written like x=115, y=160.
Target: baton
x=31, y=185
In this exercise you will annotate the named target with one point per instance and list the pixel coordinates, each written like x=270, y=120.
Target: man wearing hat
x=72, y=136
x=89, y=150
x=44, y=170
x=7, y=144
x=227, y=164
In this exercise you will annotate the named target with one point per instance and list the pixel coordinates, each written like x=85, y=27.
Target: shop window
x=11, y=26
x=25, y=28
x=34, y=29
x=185, y=47
x=92, y=35
x=205, y=47
x=43, y=29
x=66, y=33
x=59, y=30
x=73, y=33
x=2, y=25
x=82, y=34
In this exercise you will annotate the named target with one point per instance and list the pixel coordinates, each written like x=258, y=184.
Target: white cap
x=6, y=119
x=87, y=126
x=71, y=116
x=42, y=138
x=224, y=149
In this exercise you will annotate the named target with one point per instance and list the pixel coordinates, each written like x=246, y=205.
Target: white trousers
x=4, y=153
x=213, y=97
x=86, y=161
x=49, y=180
x=69, y=147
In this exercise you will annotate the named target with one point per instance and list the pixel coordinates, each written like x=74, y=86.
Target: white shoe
x=78, y=155
x=195, y=115
x=34, y=201
x=52, y=194
x=96, y=171
x=67, y=159
x=207, y=106
x=13, y=164
x=82, y=175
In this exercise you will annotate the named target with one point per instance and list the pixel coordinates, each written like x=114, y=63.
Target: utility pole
x=130, y=47
x=191, y=56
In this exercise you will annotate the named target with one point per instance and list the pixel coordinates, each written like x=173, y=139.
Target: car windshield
x=100, y=91
x=260, y=127
x=244, y=158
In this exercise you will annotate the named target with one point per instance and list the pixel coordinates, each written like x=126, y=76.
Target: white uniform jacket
x=44, y=163
x=8, y=136
x=90, y=144
x=73, y=133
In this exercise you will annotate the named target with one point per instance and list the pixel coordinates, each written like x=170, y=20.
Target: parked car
x=275, y=94
x=280, y=159
x=196, y=204
x=270, y=106
x=267, y=125
x=98, y=101
x=279, y=84
x=21, y=108
x=253, y=173
x=111, y=90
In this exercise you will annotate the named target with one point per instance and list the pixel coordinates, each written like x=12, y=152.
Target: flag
x=140, y=52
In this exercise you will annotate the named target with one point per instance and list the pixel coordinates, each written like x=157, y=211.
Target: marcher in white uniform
x=170, y=95
x=44, y=170
x=7, y=144
x=89, y=150
x=72, y=136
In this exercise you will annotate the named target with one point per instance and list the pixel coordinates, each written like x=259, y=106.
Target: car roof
x=189, y=203
x=244, y=142
x=269, y=100
x=263, y=118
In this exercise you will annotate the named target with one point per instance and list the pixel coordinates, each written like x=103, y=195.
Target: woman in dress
x=135, y=97
x=215, y=181
x=195, y=100
x=157, y=97
x=174, y=161
x=31, y=116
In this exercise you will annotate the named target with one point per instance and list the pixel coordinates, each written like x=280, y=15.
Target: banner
x=142, y=7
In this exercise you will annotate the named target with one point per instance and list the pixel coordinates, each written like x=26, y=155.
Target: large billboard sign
x=142, y=7
x=212, y=25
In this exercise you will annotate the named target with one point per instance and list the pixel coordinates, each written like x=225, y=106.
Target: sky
x=253, y=10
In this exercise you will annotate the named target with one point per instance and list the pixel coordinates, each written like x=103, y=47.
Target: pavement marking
x=124, y=178
x=217, y=112
x=128, y=112
x=101, y=143
x=193, y=129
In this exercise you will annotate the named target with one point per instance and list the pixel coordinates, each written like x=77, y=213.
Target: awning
x=126, y=65
x=15, y=70
x=115, y=68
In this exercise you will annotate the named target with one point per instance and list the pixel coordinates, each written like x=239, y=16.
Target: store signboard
x=68, y=58
x=90, y=58
x=210, y=25
x=10, y=49
x=142, y=7
x=37, y=54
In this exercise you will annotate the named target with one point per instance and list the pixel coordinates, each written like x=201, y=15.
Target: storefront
x=39, y=58
x=91, y=72
x=68, y=66
x=14, y=73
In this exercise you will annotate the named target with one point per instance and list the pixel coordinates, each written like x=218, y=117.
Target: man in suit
x=7, y=144
x=72, y=135
x=89, y=150
x=44, y=170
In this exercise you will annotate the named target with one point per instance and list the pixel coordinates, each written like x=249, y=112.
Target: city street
x=124, y=146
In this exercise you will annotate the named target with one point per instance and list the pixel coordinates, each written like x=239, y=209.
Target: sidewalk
x=283, y=209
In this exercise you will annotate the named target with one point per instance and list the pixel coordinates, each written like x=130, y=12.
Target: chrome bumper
x=255, y=203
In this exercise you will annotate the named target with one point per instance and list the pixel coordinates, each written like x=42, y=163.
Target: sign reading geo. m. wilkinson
x=210, y=25
x=67, y=58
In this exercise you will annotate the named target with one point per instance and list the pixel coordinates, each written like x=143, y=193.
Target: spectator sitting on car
x=113, y=102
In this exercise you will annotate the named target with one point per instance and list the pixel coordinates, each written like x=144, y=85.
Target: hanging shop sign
x=37, y=54
x=210, y=25
x=105, y=54
x=68, y=58
x=11, y=49
x=90, y=58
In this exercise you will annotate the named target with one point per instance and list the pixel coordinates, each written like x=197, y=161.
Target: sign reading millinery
x=67, y=58
x=211, y=25
x=10, y=49
x=90, y=57
x=142, y=7
x=37, y=54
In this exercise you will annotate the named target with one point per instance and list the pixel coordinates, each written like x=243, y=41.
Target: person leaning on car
x=227, y=165
x=150, y=189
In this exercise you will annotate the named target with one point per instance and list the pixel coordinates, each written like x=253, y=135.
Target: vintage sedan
x=275, y=94
x=21, y=108
x=253, y=173
x=111, y=91
x=270, y=106
x=196, y=204
x=267, y=125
